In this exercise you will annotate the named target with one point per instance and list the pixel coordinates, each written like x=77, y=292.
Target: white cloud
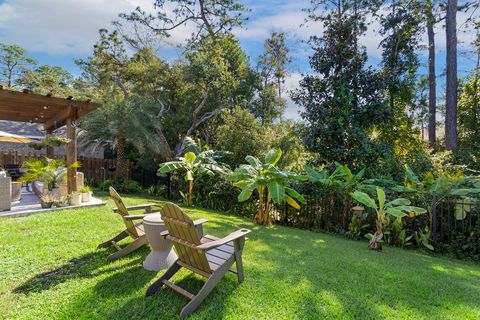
x=60, y=27
x=291, y=83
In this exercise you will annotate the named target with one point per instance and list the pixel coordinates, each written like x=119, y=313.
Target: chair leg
x=207, y=288
x=122, y=235
x=137, y=243
x=239, y=263
x=166, y=276
x=238, y=245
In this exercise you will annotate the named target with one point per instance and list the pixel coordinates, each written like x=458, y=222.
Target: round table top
x=153, y=218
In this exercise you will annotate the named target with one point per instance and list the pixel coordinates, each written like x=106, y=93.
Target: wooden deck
x=30, y=204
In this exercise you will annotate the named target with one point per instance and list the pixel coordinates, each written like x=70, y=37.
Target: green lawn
x=50, y=269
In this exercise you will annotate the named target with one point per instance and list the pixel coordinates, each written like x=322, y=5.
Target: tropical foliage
x=397, y=208
x=193, y=163
x=52, y=171
x=270, y=183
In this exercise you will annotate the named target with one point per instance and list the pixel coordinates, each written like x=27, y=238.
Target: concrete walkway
x=30, y=204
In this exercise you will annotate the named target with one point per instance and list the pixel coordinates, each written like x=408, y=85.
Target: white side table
x=162, y=256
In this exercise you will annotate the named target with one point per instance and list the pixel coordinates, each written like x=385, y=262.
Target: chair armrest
x=199, y=222
x=232, y=236
x=135, y=217
x=146, y=206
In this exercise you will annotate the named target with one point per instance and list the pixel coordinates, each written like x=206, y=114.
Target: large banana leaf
x=277, y=191
x=171, y=166
x=273, y=156
x=463, y=192
x=247, y=191
x=247, y=169
x=294, y=194
x=215, y=168
x=236, y=176
x=414, y=209
x=381, y=198
x=398, y=202
x=365, y=199
x=253, y=161
x=410, y=175
x=297, y=177
x=360, y=174
x=292, y=202
x=397, y=213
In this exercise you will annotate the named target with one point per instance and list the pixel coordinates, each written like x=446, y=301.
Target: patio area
x=30, y=204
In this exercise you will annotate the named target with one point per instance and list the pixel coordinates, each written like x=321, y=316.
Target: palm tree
x=122, y=122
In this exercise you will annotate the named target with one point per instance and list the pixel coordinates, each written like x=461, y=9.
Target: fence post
x=434, y=215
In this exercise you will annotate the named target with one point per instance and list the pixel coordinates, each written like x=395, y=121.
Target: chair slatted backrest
x=183, y=233
x=122, y=210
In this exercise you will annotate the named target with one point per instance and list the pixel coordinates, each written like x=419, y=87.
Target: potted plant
x=36, y=146
x=60, y=202
x=47, y=200
x=86, y=193
x=54, y=141
x=75, y=199
x=53, y=172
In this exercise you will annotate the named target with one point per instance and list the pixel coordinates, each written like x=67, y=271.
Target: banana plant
x=270, y=183
x=342, y=178
x=443, y=185
x=397, y=208
x=192, y=164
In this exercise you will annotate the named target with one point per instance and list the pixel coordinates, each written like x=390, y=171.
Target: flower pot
x=86, y=196
x=16, y=194
x=75, y=199
x=46, y=205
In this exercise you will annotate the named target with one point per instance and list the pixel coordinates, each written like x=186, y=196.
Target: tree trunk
x=259, y=215
x=451, y=84
x=432, y=82
x=190, y=193
x=122, y=168
x=263, y=214
x=279, y=80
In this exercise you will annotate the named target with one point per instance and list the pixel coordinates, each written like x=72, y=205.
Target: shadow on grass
x=122, y=296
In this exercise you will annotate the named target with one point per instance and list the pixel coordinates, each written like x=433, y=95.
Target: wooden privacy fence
x=95, y=170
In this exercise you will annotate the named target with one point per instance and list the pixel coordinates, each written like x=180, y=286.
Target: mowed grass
x=51, y=269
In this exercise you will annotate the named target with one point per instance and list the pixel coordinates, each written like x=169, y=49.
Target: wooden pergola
x=52, y=113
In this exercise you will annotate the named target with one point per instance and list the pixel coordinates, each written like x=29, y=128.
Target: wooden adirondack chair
x=132, y=230
x=207, y=256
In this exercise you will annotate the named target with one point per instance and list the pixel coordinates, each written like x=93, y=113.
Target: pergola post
x=50, y=150
x=71, y=154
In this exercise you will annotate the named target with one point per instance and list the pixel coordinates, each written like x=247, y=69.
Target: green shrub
x=123, y=186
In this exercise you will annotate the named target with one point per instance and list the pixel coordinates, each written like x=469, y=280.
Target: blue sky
x=57, y=32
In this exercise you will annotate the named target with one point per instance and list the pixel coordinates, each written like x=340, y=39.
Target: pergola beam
x=53, y=113
x=59, y=120
x=34, y=108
